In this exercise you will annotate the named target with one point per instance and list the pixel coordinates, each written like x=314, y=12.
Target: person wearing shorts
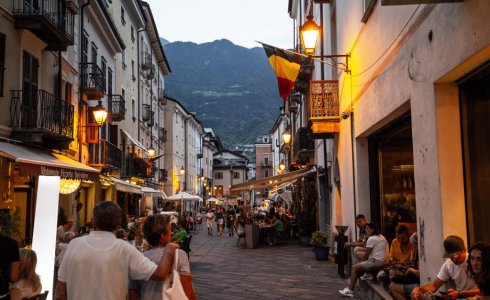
x=376, y=252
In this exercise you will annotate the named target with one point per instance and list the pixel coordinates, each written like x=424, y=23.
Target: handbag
x=172, y=287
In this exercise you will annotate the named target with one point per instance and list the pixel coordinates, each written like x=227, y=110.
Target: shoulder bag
x=172, y=287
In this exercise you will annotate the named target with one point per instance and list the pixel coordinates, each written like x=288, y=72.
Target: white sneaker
x=366, y=276
x=347, y=293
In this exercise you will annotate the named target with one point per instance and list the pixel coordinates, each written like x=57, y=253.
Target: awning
x=272, y=181
x=127, y=187
x=134, y=141
x=150, y=192
x=33, y=161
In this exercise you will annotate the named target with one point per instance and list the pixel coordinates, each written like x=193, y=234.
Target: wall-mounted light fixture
x=100, y=114
x=286, y=136
x=309, y=33
x=151, y=152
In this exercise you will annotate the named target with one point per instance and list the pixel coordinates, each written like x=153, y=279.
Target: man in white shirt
x=376, y=255
x=453, y=269
x=60, y=231
x=99, y=266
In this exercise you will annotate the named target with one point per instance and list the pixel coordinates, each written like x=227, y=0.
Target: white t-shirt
x=380, y=247
x=152, y=289
x=210, y=217
x=457, y=273
x=99, y=266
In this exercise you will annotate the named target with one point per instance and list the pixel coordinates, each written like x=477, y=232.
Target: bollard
x=341, y=254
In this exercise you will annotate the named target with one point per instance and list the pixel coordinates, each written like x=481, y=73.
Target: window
x=94, y=53
x=109, y=81
x=218, y=175
x=133, y=109
x=132, y=34
x=84, y=47
x=123, y=17
x=103, y=65
x=266, y=173
x=123, y=94
x=68, y=91
x=132, y=70
x=236, y=175
x=123, y=58
x=2, y=62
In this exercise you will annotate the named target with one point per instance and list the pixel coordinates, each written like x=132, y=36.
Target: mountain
x=230, y=88
x=164, y=41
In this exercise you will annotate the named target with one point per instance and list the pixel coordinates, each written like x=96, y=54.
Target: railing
x=146, y=109
x=266, y=163
x=38, y=109
x=53, y=11
x=150, y=73
x=135, y=166
x=117, y=107
x=151, y=121
x=105, y=153
x=146, y=61
x=92, y=77
x=162, y=134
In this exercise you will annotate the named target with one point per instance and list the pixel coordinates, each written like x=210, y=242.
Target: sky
x=241, y=22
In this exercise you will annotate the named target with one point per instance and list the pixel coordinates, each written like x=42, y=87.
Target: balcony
x=162, y=134
x=92, y=81
x=150, y=73
x=146, y=64
x=146, y=109
x=324, y=119
x=266, y=164
x=49, y=20
x=303, y=147
x=151, y=121
x=104, y=155
x=135, y=166
x=40, y=118
x=117, y=107
x=162, y=99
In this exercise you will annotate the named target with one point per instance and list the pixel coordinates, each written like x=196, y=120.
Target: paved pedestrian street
x=221, y=270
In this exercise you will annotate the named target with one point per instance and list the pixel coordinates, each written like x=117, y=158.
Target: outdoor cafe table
x=264, y=229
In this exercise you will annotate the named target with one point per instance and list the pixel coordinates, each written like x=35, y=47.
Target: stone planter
x=252, y=235
x=321, y=253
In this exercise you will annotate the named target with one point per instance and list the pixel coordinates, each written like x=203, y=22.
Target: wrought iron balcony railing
x=145, y=115
x=162, y=97
x=50, y=20
x=105, y=155
x=146, y=64
x=135, y=166
x=117, y=107
x=92, y=80
x=151, y=121
x=38, y=110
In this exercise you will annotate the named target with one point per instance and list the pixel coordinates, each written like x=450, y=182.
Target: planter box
x=321, y=253
x=252, y=235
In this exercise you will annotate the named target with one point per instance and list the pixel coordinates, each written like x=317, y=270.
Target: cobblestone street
x=221, y=270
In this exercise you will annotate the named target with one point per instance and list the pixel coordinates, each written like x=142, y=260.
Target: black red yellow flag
x=286, y=65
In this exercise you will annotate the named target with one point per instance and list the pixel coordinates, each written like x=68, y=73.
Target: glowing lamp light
x=309, y=34
x=68, y=186
x=151, y=152
x=286, y=137
x=282, y=166
x=182, y=171
x=100, y=114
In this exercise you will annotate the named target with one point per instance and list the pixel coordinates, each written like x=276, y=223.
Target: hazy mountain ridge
x=230, y=88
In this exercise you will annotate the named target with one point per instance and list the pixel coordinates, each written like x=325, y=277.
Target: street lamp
x=182, y=173
x=100, y=114
x=282, y=166
x=309, y=33
x=286, y=136
x=151, y=152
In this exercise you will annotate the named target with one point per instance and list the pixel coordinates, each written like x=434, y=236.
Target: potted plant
x=320, y=247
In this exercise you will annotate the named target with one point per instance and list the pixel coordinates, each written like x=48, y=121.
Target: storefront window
x=392, y=177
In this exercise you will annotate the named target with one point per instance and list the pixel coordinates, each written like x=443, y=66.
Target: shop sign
x=31, y=169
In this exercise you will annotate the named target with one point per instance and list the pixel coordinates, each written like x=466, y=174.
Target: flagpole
x=306, y=56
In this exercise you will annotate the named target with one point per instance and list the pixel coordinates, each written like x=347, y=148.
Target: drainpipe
x=139, y=83
x=80, y=96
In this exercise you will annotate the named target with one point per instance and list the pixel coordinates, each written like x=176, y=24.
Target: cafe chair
x=43, y=296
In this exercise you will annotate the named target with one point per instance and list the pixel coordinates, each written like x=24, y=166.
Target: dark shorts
x=408, y=288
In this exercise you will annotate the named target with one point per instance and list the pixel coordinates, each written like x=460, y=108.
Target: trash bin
x=341, y=254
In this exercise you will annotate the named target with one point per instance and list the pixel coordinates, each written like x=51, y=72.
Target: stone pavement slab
x=221, y=270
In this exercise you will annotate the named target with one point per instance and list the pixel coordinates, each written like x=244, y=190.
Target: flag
x=286, y=65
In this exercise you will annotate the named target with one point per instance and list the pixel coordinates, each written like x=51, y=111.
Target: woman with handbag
x=156, y=231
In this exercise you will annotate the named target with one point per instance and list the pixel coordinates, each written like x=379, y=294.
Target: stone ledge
x=375, y=290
